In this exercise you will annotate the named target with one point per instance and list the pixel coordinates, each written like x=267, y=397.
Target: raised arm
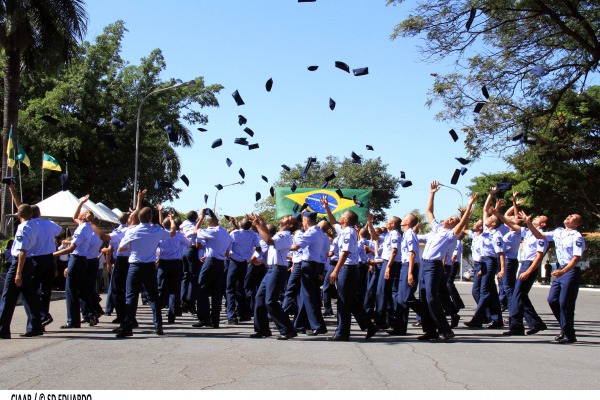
x=533, y=229
x=104, y=236
x=434, y=187
x=261, y=227
x=506, y=220
x=159, y=208
x=200, y=221
x=330, y=216
x=15, y=198
x=78, y=209
x=488, y=202
x=372, y=232
x=465, y=218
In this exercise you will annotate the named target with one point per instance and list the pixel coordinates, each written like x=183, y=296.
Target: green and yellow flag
x=285, y=200
x=49, y=162
x=15, y=155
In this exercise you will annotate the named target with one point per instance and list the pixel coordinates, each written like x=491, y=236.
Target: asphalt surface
x=226, y=358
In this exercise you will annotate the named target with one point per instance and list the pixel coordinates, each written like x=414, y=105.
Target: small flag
x=20, y=154
x=49, y=162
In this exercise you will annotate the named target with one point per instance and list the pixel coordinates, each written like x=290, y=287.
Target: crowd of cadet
x=293, y=275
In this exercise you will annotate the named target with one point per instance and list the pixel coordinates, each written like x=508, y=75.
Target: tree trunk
x=12, y=86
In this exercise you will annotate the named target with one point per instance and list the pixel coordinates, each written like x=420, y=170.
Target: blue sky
x=241, y=44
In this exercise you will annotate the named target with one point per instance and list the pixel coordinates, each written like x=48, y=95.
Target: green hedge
x=591, y=275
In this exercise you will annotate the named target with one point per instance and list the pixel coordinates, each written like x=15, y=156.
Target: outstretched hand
x=434, y=187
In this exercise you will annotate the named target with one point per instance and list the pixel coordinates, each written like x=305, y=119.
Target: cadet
x=77, y=267
x=89, y=305
x=267, y=296
x=312, y=243
x=569, y=246
x=292, y=290
x=346, y=274
x=191, y=265
x=329, y=290
x=19, y=278
x=432, y=269
x=143, y=241
x=43, y=261
x=242, y=248
x=210, y=281
x=409, y=276
x=170, y=266
x=455, y=264
x=531, y=258
x=492, y=256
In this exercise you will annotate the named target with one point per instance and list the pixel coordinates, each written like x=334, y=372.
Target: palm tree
x=34, y=34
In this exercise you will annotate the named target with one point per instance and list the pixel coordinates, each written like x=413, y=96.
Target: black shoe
x=472, y=325
x=117, y=329
x=245, y=319
x=428, y=336
x=170, y=320
x=135, y=324
x=495, y=325
x=320, y=331
x=454, y=318
x=184, y=308
x=70, y=326
x=159, y=332
x=395, y=332
x=447, y=336
x=417, y=324
x=328, y=314
x=513, y=333
x=107, y=314
x=287, y=336
x=559, y=337
x=382, y=326
x=116, y=321
x=123, y=334
x=5, y=337
x=93, y=321
x=201, y=324
x=302, y=331
x=260, y=335
x=85, y=320
x=336, y=338
x=31, y=334
x=192, y=310
x=371, y=332
x=567, y=340
x=233, y=321
x=506, y=321
x=503, y=308
x=47, y=321
x=537, y=329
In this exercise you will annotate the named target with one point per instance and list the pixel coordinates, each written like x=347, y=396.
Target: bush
x=591, y=275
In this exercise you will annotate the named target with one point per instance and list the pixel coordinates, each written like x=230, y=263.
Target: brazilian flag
x=285, y=200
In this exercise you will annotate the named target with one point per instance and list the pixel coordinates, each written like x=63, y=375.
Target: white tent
x=61, y=207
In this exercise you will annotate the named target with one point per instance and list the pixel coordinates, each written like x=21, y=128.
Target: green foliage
x=591, y=275
x=98, y=85
x=372, y=174
x=505, y=41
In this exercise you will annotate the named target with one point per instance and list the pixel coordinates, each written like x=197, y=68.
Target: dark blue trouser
x=141, y=275
x=309, y=304
x=562, y=298
x=509, y=279
x=431, y=272
x=267, y=302
x=210, y=290
x=349, y=302
x=370, y=301
x=75, y=288
x=191, y=270
x=89, y=304
x=387, y=290
x=10, y=295
x=363, y=281
x=489, y=293
x=44, y=269
x=118, y=285
x=476, y=289
x=254, y=276
x=292, y=292
x=454, y=295
x=444, y=293
x=406, y=297
x=109, y=305
x=168, y=276
x=520, y=304
x=234, y=289
x=329, y=290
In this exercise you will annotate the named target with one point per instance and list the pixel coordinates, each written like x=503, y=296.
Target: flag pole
x=20, y=183
x=42, y=176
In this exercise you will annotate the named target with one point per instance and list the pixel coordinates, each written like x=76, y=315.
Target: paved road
x=188, y=358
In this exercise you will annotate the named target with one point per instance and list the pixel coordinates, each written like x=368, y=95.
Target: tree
x=33, y=34
x=528, y=54
x=97, y=86
x=371, y=174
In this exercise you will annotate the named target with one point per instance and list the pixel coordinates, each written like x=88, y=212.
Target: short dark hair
x=352, y=218
x=24, y=211
x=192, y=216
x=35, y=211
x=124, y=217
x=246, y=224
x=145, y=215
